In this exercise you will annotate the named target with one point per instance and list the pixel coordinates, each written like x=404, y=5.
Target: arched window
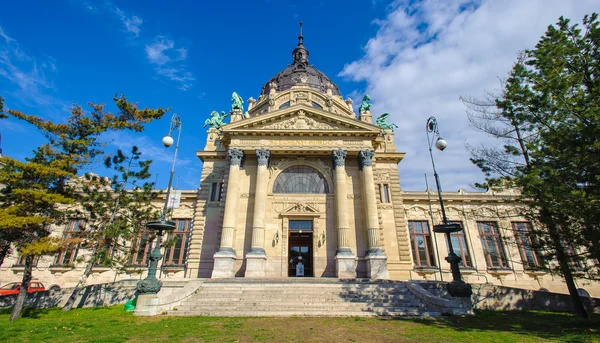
x=300, y=179
x=284, y=105
x=315, y=105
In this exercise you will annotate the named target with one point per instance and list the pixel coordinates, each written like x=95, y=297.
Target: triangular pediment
x=300, y=208
x=300, y=118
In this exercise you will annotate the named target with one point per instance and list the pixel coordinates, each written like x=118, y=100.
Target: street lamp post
x=151, y=285
x=457, y=287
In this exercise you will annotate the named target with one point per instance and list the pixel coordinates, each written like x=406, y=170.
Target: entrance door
x=300, y=249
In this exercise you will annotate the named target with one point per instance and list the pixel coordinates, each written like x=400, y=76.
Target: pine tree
x=115, y=210
x=38, y=191
x=552, y=96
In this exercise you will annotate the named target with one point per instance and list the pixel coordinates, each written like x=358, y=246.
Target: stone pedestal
x=345, y=265
x=377, y=266
x=236, y=115
x=224, y=265
x=255, y=265
x=366, y=116
x=146, y=305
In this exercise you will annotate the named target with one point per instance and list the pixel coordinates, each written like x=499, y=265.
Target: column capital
x=235, y=156
x=365, y=158
x=339, y=157
x=262, y=155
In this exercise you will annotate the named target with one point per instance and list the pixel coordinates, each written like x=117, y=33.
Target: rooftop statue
x=237, y=103
x=364, y=105
x=216, y=120
x=383, y=123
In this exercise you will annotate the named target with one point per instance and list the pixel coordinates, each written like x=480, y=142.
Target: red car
x=13, y=288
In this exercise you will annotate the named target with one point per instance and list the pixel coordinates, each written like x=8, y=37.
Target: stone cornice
x=389, y=156
x=251, y=124
x=211, y=155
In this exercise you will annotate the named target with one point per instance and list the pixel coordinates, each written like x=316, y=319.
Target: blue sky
x=187, y=56
x=415, y=58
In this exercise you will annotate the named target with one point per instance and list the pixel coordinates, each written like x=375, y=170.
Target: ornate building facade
x=299, y=185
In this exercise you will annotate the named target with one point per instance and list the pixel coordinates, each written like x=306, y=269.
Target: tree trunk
x=24, y=287
x=86, y=273
x=4, y=252
x=563, y=261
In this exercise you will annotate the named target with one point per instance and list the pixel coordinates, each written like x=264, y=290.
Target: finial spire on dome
x=300, y=54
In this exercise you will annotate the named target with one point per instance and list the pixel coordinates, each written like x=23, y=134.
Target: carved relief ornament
x=365, y=158
x=235, y=156
x=339, y=157
x=262, y=155
x=300, y=122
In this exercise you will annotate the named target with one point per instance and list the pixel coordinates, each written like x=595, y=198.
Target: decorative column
x=345, y=259
x=376, y=258
x=225, y=257
x=256, y=258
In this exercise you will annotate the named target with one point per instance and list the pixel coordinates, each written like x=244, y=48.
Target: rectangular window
x=69, y=255
x=492, y=245
x=216, y=191
x=140, y=249
x=21, y=261
x=524, y=236
x=213, y=192
x=459, y=245
x=420, y=242
x=177, y=253
x=384, y=193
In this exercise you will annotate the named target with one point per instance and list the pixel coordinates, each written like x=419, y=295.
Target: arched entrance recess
x=300, y=220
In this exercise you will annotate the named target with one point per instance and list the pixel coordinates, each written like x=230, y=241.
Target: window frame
x=216, y=191
x=384, y=193
x=21, y=261
x=135, y=252
x=74, y=227
x=427, y=238
x=496, y=238
x=284, y=184
x=525, y=240
x=464, y=251
x=185, y=243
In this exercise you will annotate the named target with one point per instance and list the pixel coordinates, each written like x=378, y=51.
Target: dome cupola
x=301, y=73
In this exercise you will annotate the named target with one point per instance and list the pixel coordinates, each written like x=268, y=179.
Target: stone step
x=229, y=298
x=298, y=307
x=271, y=313
x=298, y=291
x=305, y=295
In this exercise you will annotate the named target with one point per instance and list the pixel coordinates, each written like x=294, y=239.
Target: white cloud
x=427, y=54
x=32, y=78
x=169, y=62
x=157, y=51
x=132, y=23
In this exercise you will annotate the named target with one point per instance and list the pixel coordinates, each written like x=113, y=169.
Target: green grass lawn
x=113, y=324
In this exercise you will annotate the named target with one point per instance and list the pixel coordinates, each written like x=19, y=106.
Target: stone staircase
x=303, y=297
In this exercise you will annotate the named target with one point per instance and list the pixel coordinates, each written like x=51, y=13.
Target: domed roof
x=300, y=72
